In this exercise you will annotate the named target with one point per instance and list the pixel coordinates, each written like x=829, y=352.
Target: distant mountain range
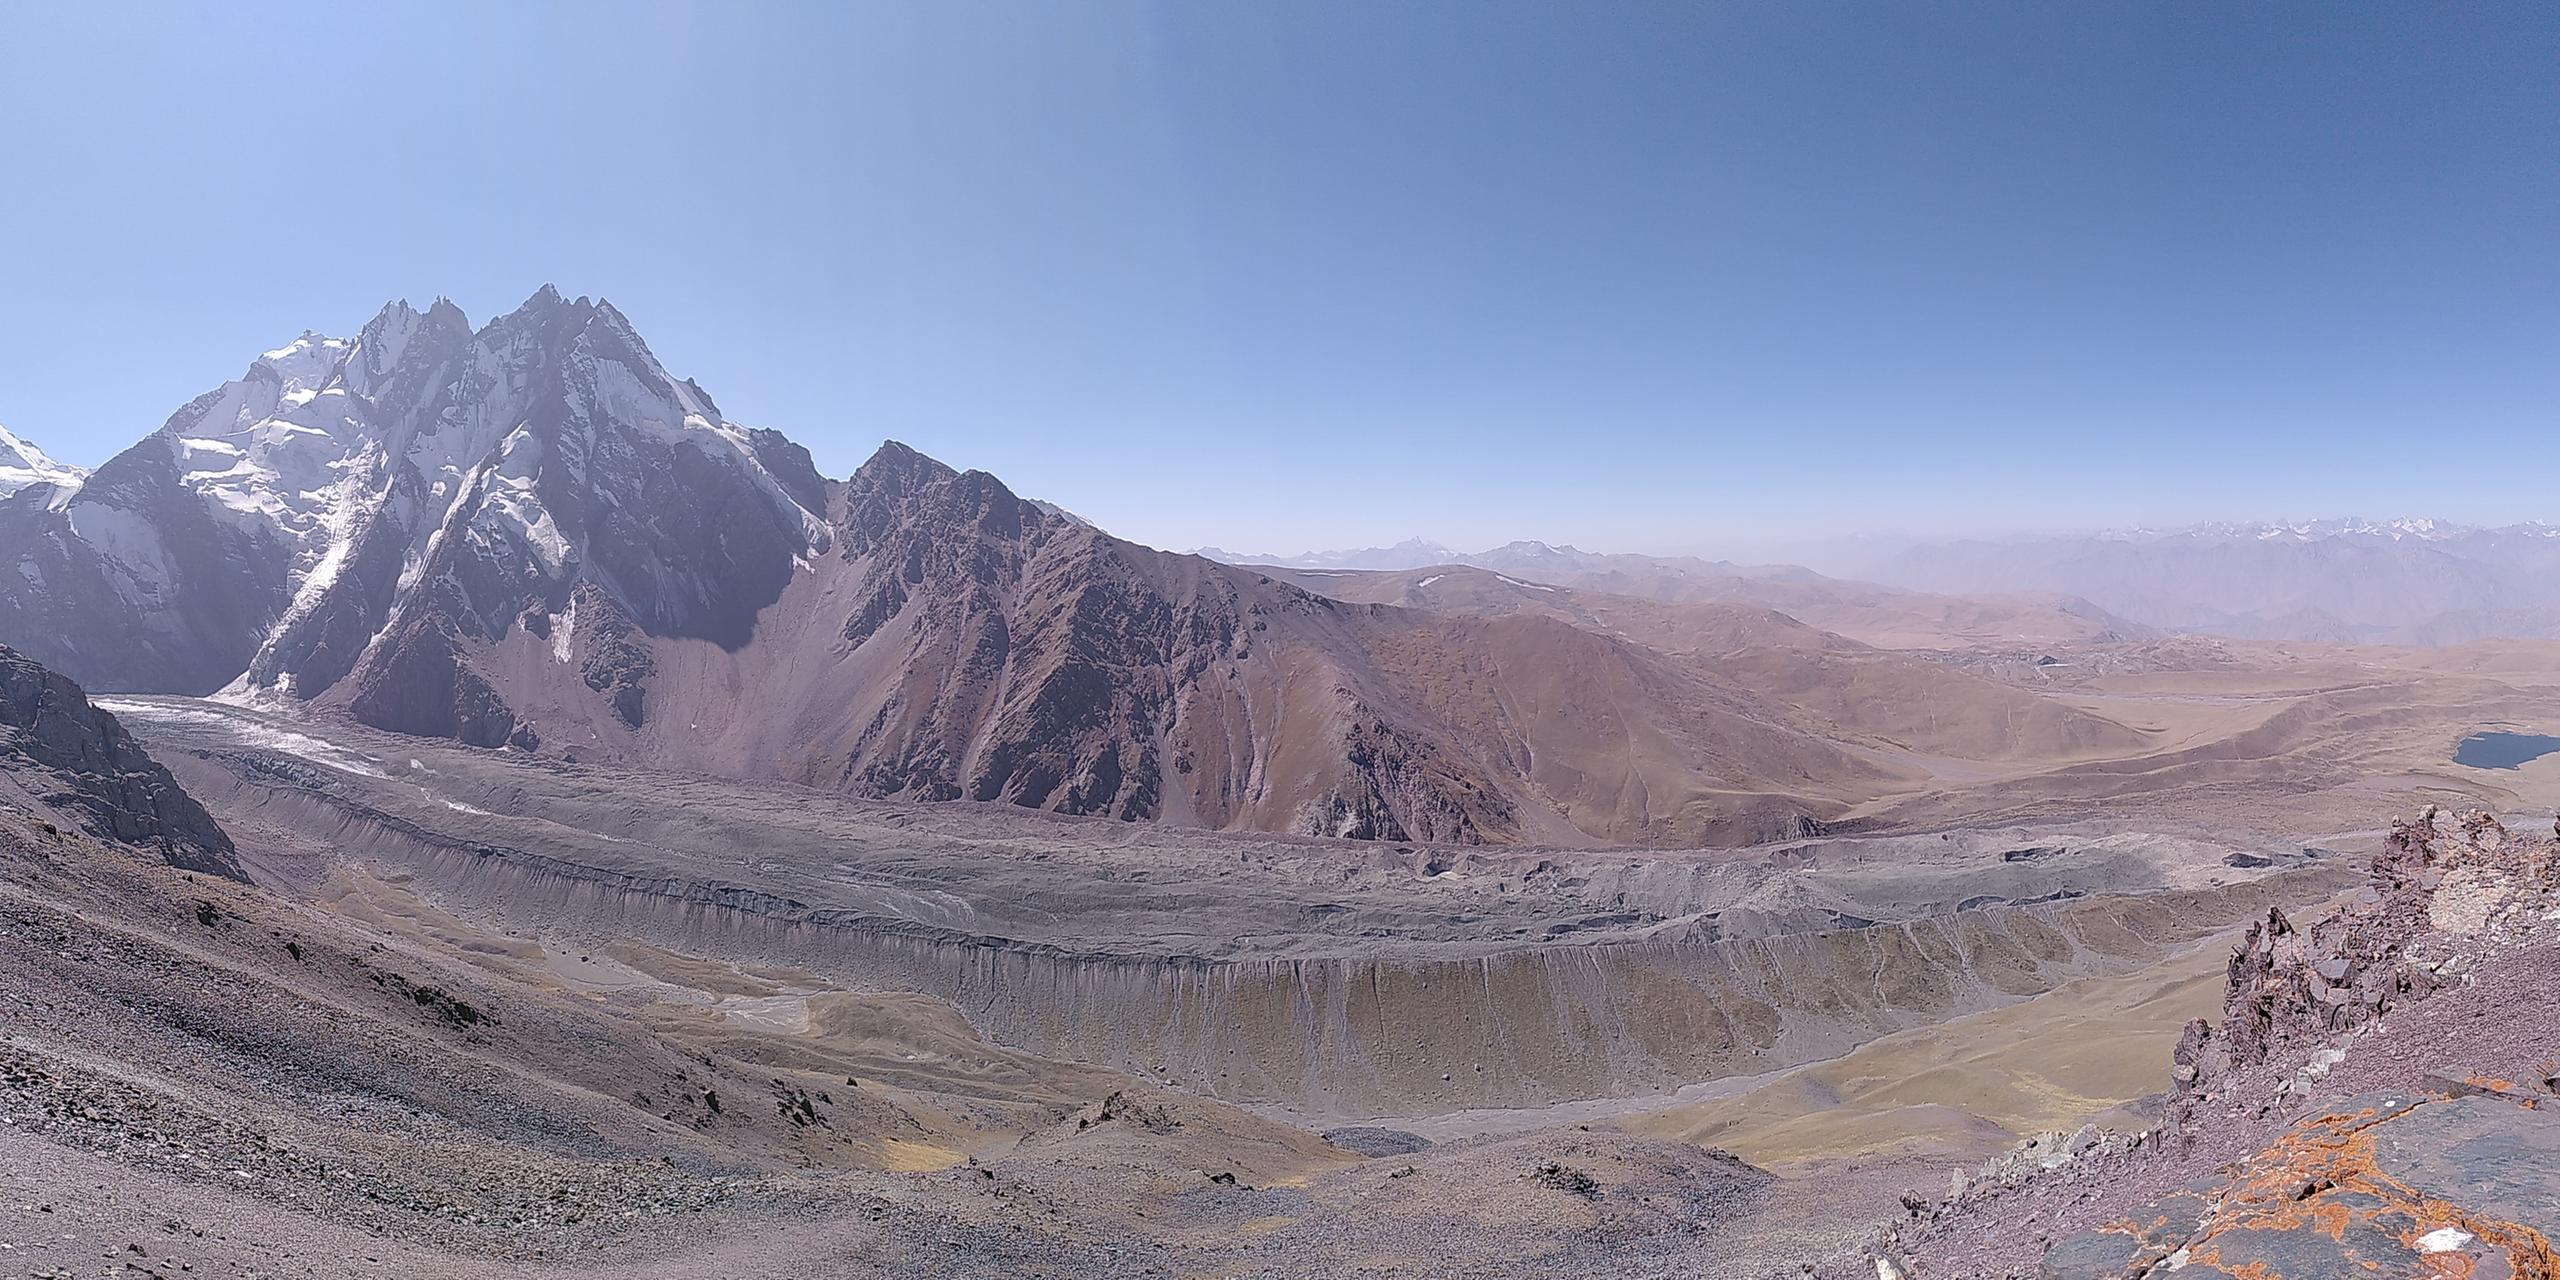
x=2416, y=581
x=1888, y=617
x=1412, y=553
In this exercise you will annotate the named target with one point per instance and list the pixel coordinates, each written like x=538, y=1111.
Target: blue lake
x=2491, y=750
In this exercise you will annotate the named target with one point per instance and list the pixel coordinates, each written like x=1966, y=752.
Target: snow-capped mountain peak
x=2402, y=529
x=2419, y=528
x=372, y=505
x=22, y=464
x=306, y=365
x=271, y=447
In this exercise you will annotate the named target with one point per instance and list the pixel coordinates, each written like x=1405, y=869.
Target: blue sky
x=1287, y=275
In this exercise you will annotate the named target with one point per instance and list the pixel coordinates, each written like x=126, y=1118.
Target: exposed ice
x=249, y=732
x=563, y=629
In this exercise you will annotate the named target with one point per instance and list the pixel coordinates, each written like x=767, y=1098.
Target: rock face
x=73, y=757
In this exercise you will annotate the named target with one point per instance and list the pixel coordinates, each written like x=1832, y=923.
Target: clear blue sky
x=1289, y=275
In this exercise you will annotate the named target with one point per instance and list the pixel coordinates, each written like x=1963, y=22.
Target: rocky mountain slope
x=203, y=1078
x=2378, y=1098
x=218, y=1078
x=529, y=535
x=953, y=641
x=70, y=760
x=1793, y=674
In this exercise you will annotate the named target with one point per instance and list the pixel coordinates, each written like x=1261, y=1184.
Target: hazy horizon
x=1845, y=548
x=1662, y=279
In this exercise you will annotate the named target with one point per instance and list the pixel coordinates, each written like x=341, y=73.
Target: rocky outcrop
x=2446, y=892
x=76, y=758
x=2379, y=1098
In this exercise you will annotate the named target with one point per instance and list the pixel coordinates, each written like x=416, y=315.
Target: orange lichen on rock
x=2325, y=1179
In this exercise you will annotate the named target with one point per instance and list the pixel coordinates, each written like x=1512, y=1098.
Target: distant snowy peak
x=2359, y=528
x=1412, y=553
x=508, y=471
x=22, y=464
x=315, y=433
x=1530, y=552
x=2416, y=528
x=1525, y=557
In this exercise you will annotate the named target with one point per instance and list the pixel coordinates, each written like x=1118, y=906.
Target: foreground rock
x=2379, y=1099
x=2457, y=1180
